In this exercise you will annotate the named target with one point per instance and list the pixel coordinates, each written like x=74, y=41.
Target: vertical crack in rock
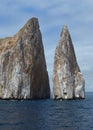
x=23, y=71
x=68, y=82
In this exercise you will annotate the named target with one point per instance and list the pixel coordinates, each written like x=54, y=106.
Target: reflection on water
x=47, y=114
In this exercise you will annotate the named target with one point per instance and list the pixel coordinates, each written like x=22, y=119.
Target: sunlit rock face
x=68, y=81
x=23, y=72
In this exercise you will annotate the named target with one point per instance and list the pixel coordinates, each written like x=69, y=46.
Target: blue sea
x=47, y=114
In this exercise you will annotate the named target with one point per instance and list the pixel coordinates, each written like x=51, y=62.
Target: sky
x=52, y=15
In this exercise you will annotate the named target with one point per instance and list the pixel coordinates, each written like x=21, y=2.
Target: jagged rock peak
x=68, y=82
x=31, y=27
x=32, y=24
x=65, y=31
x=23, y=71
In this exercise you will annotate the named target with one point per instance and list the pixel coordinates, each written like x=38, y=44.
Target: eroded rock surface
x=68, y=81
x=23, y=71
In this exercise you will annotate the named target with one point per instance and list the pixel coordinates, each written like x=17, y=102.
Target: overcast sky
x=52, y=15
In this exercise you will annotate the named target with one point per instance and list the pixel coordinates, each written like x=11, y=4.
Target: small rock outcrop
x=23, y=71
x=68, y=81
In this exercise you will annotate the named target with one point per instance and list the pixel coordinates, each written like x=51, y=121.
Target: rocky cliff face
x=68, y=82
x=23, y=72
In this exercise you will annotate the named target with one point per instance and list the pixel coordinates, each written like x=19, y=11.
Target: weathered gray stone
x=68, y=82
x=23, y=71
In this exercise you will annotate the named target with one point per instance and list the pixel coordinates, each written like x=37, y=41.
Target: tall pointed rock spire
x=68, y=82
x=23, y=71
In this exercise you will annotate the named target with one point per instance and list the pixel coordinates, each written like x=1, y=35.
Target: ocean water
x=47, y=114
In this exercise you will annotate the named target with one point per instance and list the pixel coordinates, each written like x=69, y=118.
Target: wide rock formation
x=68, y=82
x=23, y=72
